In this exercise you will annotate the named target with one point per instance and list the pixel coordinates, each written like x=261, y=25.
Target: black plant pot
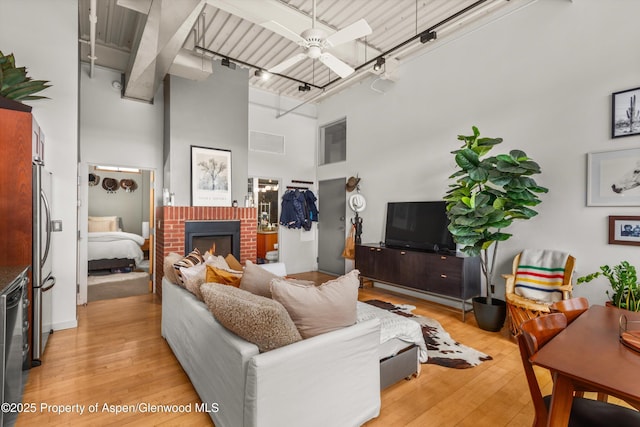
x=10, y=104
x=490, y=317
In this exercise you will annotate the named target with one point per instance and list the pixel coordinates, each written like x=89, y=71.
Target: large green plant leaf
x=14, y=82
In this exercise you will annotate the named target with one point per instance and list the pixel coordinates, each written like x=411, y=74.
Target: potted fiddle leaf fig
x=487, y=195
x=16, y=86
x=624, y=284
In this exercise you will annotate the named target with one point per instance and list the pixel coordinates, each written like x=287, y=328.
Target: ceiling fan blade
x=354, y=31
x=338, y=67
x=287, y=63
x=284, y=32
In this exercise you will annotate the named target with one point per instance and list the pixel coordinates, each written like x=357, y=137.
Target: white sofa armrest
x=332, y=379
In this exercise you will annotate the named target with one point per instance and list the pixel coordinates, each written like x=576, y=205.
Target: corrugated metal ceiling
x=231, y=28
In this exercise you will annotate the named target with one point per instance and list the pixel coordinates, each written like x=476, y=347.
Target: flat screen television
x=419, y=226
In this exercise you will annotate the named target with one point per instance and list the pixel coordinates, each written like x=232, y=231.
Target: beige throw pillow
x=193, y=277
x=256, y=319
x=193, y=258
x=257, y=280
x=319, y=309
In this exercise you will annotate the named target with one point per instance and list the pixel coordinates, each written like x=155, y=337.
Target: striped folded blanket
x=540, y=275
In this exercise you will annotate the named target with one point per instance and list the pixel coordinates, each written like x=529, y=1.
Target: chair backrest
x=572, y=308
x=535, y=334
x=568, y=268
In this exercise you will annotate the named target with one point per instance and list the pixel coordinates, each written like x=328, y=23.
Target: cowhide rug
x=443, y=350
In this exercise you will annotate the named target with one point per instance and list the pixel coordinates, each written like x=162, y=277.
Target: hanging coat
x=311, y=204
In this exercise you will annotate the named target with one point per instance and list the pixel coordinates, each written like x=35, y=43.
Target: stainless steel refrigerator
x=43, y=279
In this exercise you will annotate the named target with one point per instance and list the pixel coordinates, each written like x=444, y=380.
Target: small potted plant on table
x=624, y=285
x=488, y=194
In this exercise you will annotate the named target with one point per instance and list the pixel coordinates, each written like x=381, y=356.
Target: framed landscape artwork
x=624, y=230
x=613, y=178
x=625, y=113
x=210, y=177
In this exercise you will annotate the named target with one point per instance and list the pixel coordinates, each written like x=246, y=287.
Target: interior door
x=331, y=225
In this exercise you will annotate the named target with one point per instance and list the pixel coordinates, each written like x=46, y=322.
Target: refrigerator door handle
x=48, y=283
x=47, y=212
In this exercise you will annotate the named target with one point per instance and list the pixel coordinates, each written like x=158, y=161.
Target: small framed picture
x=613, y=178
x=624, y=230
x=210, y=177
x=625, y=113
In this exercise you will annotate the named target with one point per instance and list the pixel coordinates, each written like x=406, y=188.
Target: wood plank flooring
x=116, y=356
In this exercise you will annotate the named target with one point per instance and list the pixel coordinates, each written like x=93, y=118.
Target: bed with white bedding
x=115, y=245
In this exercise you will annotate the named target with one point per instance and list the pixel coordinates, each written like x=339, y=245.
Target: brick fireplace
x=170, y=231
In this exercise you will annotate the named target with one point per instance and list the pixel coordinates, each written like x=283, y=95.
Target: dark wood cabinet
x=449, y=276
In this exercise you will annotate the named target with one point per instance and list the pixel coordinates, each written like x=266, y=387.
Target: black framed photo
x=210, y=176
x=624, y=230
x=625, y=120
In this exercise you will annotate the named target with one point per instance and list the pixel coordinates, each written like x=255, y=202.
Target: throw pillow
x=319, y=309
x=216, y=261
x=256, y=319
x=193, y=277
x=257, y=280
x=168, y=268
x=234, y=264
x=223, y=277
x=190, y=260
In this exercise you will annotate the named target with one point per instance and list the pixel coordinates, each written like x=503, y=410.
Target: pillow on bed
x=168, y=269
x=223, y=277
x=103, y=223
x=256, y=319
x=319, y=309
x=194, y=258
x=193, y=277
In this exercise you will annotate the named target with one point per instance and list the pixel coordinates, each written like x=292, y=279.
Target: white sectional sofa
x=331, y=379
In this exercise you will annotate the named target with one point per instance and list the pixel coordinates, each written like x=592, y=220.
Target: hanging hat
x=110, y=184
x=128, y=185
x=93, y=179
x=352, y=183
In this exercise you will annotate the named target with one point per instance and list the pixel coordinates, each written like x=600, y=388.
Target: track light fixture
x=427, y=36
x=263, y=75
x=227, y=63
x=379, y=63
x=305, y=88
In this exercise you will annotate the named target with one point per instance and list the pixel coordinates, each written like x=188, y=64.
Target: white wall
x=542, y=79
x=298, y=249
x=44, y=37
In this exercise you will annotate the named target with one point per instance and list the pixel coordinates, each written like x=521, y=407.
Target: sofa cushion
x=223, y=277
x=257, y=280
x=319, y=309
x=193, y=277
x=193, y=258
x=233, y=263
x=168, y=268
x=257, y=319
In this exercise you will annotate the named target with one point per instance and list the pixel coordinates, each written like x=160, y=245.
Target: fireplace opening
x=217, y=237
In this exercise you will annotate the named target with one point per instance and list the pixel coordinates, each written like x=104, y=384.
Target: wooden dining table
x=589, y=353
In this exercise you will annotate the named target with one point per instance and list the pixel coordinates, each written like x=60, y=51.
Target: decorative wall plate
x=357, y=202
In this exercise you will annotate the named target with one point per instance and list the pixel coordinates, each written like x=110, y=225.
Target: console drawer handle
x=443, y=257
x=444, y=276
x=402, y=253
x=378, y=250
x=373, y=249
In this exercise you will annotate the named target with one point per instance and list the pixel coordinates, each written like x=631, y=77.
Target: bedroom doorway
x=118, y=233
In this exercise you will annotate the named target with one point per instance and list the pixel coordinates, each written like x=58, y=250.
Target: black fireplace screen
x=217, y=237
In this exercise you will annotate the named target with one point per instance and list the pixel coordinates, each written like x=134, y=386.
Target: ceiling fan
x=314, y=41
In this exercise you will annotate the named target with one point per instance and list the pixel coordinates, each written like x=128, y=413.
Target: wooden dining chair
x=572, y=307
x=535, y=333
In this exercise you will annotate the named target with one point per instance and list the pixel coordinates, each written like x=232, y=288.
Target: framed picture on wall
x=624, y=230
x=625, y=119
x=613, y=178
x=210, y=176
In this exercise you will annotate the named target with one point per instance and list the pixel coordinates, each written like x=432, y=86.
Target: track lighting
x=305, y=88
x=263, y=75
x=379, y=63
x=427, y=36
x=227, y=63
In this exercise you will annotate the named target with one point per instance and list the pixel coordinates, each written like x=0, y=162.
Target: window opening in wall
x=333, y=142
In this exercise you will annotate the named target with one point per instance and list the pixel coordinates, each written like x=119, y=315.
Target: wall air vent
x=266, y=142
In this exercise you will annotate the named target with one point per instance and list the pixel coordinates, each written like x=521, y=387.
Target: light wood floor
x=116, y=356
